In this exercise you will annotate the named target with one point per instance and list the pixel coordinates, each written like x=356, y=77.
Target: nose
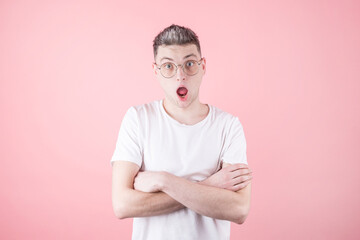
x=180, y=75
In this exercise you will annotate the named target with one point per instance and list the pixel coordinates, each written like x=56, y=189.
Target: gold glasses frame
x=176, y=67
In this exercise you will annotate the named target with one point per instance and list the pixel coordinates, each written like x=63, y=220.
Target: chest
x=190, y=153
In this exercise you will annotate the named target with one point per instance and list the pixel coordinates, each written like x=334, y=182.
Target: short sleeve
x=235, y=151
x=127, y=145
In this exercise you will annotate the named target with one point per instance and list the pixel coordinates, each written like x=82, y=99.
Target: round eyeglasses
x=169, y=69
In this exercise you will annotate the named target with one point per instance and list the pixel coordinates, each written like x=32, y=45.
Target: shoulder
x=144, y=111
x=226, y=118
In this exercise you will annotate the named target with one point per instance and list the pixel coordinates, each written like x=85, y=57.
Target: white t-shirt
x=155, y=141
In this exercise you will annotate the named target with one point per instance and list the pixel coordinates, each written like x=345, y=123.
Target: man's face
x=180, y=55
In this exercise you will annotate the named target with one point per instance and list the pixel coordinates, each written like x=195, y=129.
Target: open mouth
x=182, y=91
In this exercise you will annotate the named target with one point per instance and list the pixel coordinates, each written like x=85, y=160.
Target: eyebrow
x=187, y=56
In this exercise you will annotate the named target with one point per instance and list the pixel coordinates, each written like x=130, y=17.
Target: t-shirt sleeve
x=128, y=145
x=235, y=150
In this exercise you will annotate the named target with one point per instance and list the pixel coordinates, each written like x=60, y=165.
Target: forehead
x=176, y=52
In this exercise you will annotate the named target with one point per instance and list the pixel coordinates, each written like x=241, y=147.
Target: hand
x=147, y=181
x=233, y=177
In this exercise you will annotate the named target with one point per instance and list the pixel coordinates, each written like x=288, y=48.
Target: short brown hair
x=176, y=35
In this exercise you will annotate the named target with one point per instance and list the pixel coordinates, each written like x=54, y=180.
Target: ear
x=204, y=65
x=154, y=68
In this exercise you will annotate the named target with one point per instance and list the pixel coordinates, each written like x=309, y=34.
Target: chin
x=185, y=103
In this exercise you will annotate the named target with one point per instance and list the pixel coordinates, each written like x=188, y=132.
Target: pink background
x=289, y=71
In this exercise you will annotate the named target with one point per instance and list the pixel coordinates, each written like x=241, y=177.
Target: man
x=180, y=166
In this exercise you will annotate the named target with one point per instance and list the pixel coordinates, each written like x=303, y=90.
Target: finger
x=240, y=185
x=232, y=167
x=236, y=166
x=240, y=172
x=242, y=165
x=240, y=179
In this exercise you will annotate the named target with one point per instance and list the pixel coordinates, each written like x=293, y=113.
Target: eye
x=190, y=63
x=167, y=65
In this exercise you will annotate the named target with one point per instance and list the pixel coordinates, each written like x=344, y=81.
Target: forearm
x=206, y=200
x=135, y=203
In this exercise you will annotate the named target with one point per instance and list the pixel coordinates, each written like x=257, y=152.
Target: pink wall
x=289, y=71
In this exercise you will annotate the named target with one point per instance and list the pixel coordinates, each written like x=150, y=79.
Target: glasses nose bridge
x=177, y=68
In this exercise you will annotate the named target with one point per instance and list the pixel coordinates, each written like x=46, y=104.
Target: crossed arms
x=224, y=195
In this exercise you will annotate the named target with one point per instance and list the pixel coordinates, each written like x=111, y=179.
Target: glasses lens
x=168, y=69
x=191, y=67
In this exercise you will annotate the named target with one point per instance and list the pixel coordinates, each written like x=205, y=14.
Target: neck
x=190, y=114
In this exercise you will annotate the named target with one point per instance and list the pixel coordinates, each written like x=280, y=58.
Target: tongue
x=182, y=91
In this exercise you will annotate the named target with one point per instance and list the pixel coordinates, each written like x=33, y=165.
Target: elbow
x=120, y=211
x=242, y=214
x=119, y=214
x=122, y=205
x=241, y=220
